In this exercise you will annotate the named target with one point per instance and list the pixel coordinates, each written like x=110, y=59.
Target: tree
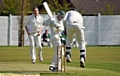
x=35, y=3
x=109, y=9
x=21, y=31
x=9, y=6
x=14, y=6
x=55, y=6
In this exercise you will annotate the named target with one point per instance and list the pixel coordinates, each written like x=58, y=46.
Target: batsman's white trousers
x=56, y=41
x=34, y=38
x=78, y=30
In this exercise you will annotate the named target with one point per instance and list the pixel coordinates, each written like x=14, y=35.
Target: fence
x=100, y=30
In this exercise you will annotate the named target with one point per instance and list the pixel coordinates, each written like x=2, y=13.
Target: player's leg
x=69, y=39
x=32, y=48
x=82, y=45
x=53, y=65
x=39, y=47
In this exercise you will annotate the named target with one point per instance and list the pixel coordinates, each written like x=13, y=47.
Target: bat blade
x=48, y=9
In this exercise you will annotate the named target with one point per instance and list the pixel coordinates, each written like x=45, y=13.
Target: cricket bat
x=48, y=9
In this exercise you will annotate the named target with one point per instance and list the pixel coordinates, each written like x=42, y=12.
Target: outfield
x=101, y=61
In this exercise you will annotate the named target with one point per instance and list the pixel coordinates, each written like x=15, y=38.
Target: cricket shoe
x=68, y=59
x=82, y=62
x=40, y=58
x=33, y=61
x=53, y=69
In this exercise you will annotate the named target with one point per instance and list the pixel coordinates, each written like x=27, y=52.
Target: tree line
x=14, y=7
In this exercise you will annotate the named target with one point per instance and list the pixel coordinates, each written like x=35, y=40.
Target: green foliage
x=55, y=6
x=9, y=6
x=15, y=6
x=35, y=3
x=109, y=9
x=65, y=6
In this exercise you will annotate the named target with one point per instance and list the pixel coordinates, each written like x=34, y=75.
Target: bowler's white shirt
x=33, y=24
x=73, y=16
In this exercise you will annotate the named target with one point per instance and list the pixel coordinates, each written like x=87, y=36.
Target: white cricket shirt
x=73, y=17
x=34, y=23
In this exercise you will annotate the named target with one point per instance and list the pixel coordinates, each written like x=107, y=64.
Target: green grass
x=101, y=61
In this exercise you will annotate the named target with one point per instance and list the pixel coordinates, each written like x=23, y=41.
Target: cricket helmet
x=61, y=13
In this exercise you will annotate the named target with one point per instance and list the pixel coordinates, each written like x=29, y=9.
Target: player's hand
x=38, y=33
x=57, y=28
x=28, y=33
x=52, y=18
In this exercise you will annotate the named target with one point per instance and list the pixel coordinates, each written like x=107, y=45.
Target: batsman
x=56, y=26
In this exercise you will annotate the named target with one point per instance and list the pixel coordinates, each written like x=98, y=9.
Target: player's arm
x=27, y=25
x=40, y=29
x=27, y=30
x=57, y=25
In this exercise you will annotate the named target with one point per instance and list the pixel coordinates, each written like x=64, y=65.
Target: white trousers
x=56, y=41
x=78, y=32
x=35, y=39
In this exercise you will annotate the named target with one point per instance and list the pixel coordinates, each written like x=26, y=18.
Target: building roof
x=97, y=6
